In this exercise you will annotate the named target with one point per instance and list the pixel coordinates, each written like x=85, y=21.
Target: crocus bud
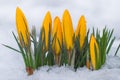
x=47, y=26
x=22, y=28
x=57, y=35
x=94, y=52
x=68, y=31
x=81, y=31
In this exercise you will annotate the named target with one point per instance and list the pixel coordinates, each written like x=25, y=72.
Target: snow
x=15, y=71
x=98, y=13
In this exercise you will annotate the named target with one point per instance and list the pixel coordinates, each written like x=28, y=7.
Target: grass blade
x=117, y=50
x=12, y=48
x=110, y=45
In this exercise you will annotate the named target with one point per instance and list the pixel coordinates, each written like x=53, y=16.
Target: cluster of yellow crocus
x=62, y=33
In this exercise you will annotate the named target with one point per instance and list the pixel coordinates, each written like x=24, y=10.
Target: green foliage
x=117, y=50
x=81, y=54
x=39, y=56
x=25, y=51
x=50, y=56
x=64, y=57
x=105, y=42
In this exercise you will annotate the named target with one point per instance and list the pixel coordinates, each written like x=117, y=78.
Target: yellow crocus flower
x=57, y=35
x=81, y=30
x=47, y=26
x=22, y=27
x=68, y=31
x=94, y=56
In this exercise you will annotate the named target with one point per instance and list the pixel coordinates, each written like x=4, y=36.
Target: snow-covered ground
x=98, y=13
x=12, y=68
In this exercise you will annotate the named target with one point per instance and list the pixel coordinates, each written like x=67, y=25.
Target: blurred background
x=98, y=13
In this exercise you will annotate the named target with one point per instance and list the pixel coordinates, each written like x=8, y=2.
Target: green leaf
x=110, y=45
x=21, y=49
x=117, y=50
x=12, y=48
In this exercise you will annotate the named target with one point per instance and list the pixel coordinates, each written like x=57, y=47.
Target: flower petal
x=68, y=31
x=81, y=30
x=22, y=27
x=94, y=56
x=57, y=34
x=47, y=25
